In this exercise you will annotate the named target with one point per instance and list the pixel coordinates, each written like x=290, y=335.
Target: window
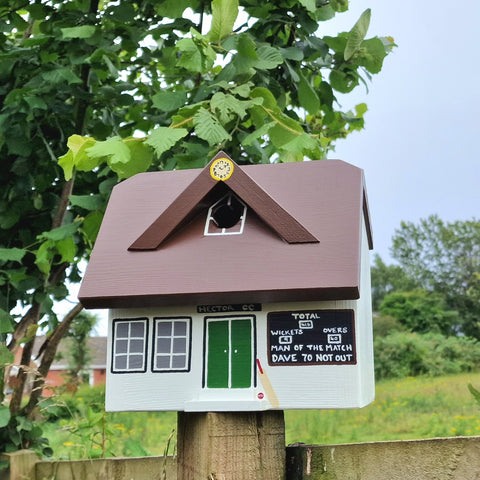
x=171, y=349
x=129, y=351
x=226, y=216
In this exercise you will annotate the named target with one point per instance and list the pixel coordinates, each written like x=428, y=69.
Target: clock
x=221, y=169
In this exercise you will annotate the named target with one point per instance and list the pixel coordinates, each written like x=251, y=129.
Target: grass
x=410, y=408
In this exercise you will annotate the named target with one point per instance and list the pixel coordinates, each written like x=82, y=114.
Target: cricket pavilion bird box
x=236, y=288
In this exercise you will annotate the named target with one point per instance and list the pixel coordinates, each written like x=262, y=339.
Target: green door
x=229, y=353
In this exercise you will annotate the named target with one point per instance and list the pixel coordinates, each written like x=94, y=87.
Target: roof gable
x=327, y=198
x=240, y=183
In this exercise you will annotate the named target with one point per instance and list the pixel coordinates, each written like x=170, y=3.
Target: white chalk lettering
x=280, y=348
x=283, y=358
x=324, y=357
x=315, y=348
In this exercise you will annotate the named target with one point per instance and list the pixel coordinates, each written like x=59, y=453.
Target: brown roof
x=326, y=198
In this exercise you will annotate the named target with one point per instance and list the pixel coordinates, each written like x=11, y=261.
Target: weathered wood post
x=238, y=290
x=21, y=465
x=231, y=445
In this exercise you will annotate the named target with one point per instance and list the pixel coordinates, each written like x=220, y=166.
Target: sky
x=419, y=148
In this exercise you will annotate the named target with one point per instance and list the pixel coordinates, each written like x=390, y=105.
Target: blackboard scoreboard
x=318, y=337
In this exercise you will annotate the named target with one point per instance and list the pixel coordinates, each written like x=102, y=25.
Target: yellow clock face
x=221, y=169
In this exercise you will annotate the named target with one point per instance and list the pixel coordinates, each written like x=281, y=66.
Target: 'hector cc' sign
x=236, y=288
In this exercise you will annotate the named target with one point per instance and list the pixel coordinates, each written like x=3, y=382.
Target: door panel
x=229, y=353
x=218, y=354
x=241, y=354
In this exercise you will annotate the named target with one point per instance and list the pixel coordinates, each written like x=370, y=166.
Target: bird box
x=236, y=288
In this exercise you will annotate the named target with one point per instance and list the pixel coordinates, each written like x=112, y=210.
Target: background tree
x=388, y=279
x=444, y=258
x=129, y=86
x=421, y=311
x=79, y=355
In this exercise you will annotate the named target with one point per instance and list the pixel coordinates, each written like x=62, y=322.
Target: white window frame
x=171, y=354
x=211, y=227
x=129, y=338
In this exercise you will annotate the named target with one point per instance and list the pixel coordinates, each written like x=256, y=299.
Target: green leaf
x=246, y=57
x=77, y=156
x=310, y=5
x=84, y=31
x=113, y=149
x=371, y=55
x=35, y=102
x=191, y=58
x=343, y=81
x=169, y=101
x=141, y=157
x=24, y=424
x=163, y=138
x=361, y=109
x=268, y=58
x=300, y=144
x=12, y=254
x=357, y=34
x=196, y=54
x=5, y=322
x=292, y=53
x=88, y=202
x=59, y=75
x=6, y=356
x=260, y=132
x=209, y=128
x=67, y=249
x=325, y=13
x=228, y=107
x=224, y=14
x=60, y=233
x=134, y=448
x=307, y=96
x=172, y=8
x=269, y=100
x=91, y=226
x=285, y=130
x=474, y=392
x=4, y=412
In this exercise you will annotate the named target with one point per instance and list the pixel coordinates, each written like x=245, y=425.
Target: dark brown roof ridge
x=249, y=191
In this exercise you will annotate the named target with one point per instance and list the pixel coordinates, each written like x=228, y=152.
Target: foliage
x=388, y=279
x=18, y=432
x=116, y=88
x=78, y=427
x=444, y=257
x=406, y=408
x=403, y=354
x=475, y=393
x=79, y=355
x=420, y=311
x=71, y=404
x=383, y=325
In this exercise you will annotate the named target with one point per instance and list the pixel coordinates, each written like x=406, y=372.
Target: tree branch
x=30, y=318
x=50, y=349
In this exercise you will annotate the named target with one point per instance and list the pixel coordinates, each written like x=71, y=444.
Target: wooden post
x=22, y=464
x=231, y=446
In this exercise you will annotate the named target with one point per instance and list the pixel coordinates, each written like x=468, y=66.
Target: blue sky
x=419, y=148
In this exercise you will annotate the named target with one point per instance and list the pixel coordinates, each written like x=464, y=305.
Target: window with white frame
x=226, y=216
x=171, y=349
x=129, y=352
